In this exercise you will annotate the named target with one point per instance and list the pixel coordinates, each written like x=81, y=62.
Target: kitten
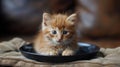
x=58, y=35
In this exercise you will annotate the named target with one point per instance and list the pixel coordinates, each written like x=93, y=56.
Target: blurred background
x=98, y=20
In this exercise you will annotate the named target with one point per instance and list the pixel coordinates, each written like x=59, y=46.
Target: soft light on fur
x=58, y=35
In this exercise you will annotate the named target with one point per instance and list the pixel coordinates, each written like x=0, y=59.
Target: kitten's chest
x=60, y=48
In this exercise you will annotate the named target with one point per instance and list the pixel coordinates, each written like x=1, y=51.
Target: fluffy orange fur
x=58, y=35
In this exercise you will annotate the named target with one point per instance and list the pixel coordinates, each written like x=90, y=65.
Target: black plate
x=86, y=52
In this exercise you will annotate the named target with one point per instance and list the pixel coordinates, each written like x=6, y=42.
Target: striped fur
x=48, y=43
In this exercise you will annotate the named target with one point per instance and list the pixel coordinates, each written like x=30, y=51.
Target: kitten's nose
x=59, y=40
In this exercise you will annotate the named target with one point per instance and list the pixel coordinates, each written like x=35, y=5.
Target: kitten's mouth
x=58, y=43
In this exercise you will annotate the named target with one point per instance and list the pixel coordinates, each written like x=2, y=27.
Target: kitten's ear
x=72, y=19
x=46, y=18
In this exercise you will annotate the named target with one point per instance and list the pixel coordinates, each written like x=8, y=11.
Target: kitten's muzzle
x=59, y=40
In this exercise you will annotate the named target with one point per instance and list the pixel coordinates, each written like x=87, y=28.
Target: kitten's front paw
x=68, y=52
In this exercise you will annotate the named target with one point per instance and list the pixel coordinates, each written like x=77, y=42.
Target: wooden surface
x=105, y=42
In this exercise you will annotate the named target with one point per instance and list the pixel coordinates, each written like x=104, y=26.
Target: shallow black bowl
x=86, y=52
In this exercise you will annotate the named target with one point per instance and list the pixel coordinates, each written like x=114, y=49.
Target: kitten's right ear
x=72, y=19
x=46, y=18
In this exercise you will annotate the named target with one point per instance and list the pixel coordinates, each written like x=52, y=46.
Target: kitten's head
x=59, y=29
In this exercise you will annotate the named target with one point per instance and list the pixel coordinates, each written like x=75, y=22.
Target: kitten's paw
x=68, y=52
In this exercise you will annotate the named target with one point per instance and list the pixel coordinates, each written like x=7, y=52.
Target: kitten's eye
x=54, y=32
x=65, y=32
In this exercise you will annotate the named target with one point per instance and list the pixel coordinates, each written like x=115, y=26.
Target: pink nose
x=59, y=40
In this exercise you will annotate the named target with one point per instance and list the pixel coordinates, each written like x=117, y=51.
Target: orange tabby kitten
x=58, y=35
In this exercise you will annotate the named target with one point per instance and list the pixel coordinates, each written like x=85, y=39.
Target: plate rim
x=20, y=49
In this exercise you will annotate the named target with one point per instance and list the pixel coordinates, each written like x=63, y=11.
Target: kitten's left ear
x=72, y=19
x=46, y=18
